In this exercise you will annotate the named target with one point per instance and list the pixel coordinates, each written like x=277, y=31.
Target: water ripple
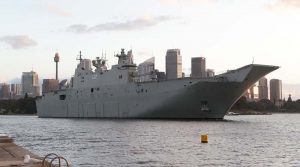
x=262, y=140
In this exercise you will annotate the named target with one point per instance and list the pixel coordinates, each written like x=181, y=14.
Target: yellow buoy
x=204, y=138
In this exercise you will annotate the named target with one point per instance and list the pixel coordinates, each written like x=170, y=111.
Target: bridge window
x=92, y=90
x=62, y=97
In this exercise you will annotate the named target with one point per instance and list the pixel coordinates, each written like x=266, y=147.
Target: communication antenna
x=253, y=60
x=80, y=56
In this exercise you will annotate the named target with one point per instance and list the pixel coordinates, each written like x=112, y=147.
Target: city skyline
x=229, y=34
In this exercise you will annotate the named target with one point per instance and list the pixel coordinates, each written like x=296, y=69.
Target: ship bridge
x=123, y=72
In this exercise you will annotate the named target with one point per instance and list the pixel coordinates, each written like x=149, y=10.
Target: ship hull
x=191, y=98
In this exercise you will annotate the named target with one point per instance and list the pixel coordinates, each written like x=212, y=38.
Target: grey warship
x=118, y=93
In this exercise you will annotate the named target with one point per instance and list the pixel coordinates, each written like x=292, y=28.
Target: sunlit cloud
x=57, y=10
x=18, y=41
x=290, y=3
x=284, y=4
x=139, y=23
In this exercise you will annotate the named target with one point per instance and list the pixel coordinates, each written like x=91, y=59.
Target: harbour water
x=257, y=140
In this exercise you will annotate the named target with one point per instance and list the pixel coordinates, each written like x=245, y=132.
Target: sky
x=229, y=33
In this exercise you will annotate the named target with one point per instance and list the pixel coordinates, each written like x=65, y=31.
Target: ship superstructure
x=119, y=93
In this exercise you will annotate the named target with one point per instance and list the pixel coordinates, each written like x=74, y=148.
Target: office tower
x=263, y=88
x=36, y=90
x=146, y=70
x=173, y=64
x=210, y=73
x=251, y=90
x=30, y=84
x=15, y=90
x=161, y=76
x=5, y=91
x=276, y=91
x=1, y=84
x=50, y=85
x=198, y=67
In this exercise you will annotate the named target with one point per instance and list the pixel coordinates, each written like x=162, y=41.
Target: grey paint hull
x=196, y=98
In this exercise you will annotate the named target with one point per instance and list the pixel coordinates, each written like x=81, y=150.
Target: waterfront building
x=36, y=90
x=252, y=93
x=16, y=90
x=210, y=73
x=263, y=88
x=251, y=90
x=173, y=64
x=5, y=91
x=1, y=84
x=30, y=84
x=146, y=70
x=276, y=91
x=161, y=76
x=290, y=98
x=50, y=85
x=198, y=67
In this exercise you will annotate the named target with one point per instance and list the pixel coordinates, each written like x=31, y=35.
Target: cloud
x=128, y=25
x=57, y=10
x=174, y=2
x=18, y=41
x=15, y=81
x=284, y=4
x=290, y=3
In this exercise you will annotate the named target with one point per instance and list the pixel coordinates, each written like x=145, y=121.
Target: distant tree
x=290, y=98
x=241, y=103
x=26, y=95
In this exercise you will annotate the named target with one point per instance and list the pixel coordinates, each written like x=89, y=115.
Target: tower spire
x=56, y=60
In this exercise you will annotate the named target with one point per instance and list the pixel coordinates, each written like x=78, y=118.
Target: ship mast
x=80, y=57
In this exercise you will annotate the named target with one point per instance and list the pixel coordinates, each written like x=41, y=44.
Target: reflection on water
x=261, y=140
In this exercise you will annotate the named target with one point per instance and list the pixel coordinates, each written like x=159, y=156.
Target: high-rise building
x=1, y=84
x=251, y=91
x=5, y=91
x=173, y=64
x=210, y=73
x=146, y=70
x=50, y=85
x=198, y=67
x=15, y=90
x=276, y=91
x=263, y=88
x=36, y=90
x=30, y=84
